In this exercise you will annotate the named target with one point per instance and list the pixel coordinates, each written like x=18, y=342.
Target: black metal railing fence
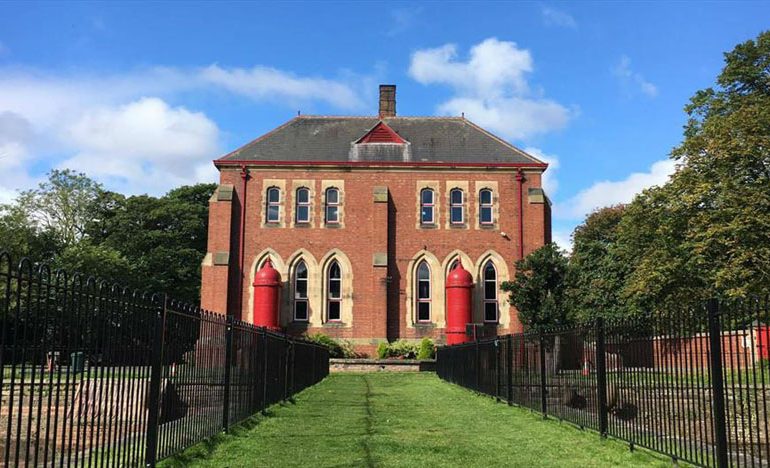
x=693, y=384
x=94, y=374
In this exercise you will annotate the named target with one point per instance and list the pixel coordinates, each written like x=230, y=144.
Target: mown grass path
x=405, y=420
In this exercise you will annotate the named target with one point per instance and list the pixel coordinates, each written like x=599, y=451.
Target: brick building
x=363, y=217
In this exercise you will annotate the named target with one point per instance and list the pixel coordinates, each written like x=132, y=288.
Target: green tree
x=537, y=290
x=707, y=231
x=597, y=274
x=63, y=205
x=163, y=239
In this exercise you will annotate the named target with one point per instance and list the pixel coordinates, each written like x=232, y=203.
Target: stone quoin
x=363, y=219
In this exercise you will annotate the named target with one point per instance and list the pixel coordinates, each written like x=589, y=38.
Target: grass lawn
x=405, y=420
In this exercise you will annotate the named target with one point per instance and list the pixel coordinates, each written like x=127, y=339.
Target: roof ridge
x=376, y=117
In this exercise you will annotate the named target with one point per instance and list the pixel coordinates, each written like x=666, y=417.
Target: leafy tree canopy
x=537, y=290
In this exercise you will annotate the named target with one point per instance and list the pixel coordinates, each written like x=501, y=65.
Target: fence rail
x=692, y=384
x=94, y=374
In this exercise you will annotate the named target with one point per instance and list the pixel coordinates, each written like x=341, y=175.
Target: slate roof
x=448, y=140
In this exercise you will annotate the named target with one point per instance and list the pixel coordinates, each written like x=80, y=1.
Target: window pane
x=303, y=213
x=331, y=214
x=332, y=196
x=272, y=213
x=490, y=290
x=423, y=311
x=300, y=310
x=427, y=214
x=486, y=197
x=334, y=310
x=300, y=291
x=273, y=195
x=301, y=270
x=486, y=214
x=423, y=289
x=427, y=197
x=334, y=289
x=456, y=197
x=489, y=272
x=303, y=195
x=457, y=214
x=423, y=272
x=334, y=271
x=490, y=311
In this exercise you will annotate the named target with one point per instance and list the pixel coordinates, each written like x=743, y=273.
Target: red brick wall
x=369, y=228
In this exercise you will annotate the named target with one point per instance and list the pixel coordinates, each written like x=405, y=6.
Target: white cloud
x=550, y=183
x=491, y=87
x=563, y=239
x=607, y=193
x=123, y=129
x=629, y=78
x=555, y=17
x=402, y=19
x=262, y=83
x=143, y=146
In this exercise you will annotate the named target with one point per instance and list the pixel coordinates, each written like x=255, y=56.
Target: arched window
x=490, y=292
x=332, y=209
x=334, y=293
x=302, y=206
x=273, y=205
x=423, y=292
x=300, y=293
x=456, y=206
x=454, y=264
x=427, y=206
x=485, y=206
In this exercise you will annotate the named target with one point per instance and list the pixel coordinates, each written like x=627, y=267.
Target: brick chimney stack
x=387, y=101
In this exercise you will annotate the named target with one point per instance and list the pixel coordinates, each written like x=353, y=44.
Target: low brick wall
x=381, y=365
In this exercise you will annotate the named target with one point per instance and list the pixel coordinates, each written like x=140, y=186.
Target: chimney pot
x=387, y=101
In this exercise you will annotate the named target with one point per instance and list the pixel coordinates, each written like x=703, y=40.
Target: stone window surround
x=435, y=186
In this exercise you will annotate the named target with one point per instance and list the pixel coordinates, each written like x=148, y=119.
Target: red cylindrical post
x=267, y=296
x=459, y=287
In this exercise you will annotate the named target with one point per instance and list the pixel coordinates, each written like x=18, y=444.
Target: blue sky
x=143, y=96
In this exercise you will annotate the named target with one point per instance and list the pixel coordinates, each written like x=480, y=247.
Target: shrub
x=337, y=349
x=398, y=349
x=382, y=350
x=427, y=350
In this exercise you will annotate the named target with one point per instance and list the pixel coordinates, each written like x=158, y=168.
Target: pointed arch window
x=301, y=312
x=427, y=206
x=302, y=206
x=334, y=293
x=485, y=207
x=490, y=293
x=273, y=205
x=457, y=206
x=332, y=208
x=423, y=292
x=454, y=264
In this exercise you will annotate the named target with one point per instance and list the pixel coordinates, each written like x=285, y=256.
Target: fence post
x=717, y=383
x=153, y=400
x=543, y=395
x=228, y=364
x=601, y=377
x=510, y=369
x=497, y=370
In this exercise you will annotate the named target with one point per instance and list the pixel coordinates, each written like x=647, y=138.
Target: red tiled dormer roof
x=381, y=133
